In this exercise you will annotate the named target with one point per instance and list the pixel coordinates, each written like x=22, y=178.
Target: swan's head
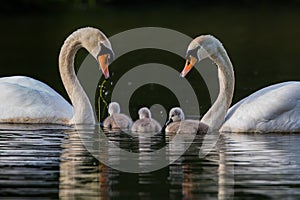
x=144, y=113
x=99, y=46
x=113, y=107
x=200, y=48
x=175, y=114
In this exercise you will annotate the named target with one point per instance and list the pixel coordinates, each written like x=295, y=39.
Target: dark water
x=50, y=162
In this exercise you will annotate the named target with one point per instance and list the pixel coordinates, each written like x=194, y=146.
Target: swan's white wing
x=272, y=109
x=26, y=100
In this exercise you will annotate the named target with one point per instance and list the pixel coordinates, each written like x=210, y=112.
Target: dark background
x=261, y=37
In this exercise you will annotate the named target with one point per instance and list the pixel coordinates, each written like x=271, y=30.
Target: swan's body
x=208, y=46
x=23, y=97
x=272, y=109
x=26, y=100
x=117, y=120
x=178, y=124
x=145, y=124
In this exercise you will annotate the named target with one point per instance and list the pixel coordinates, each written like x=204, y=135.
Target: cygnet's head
x=144, y=113
x=113, y=107
x=176, y=114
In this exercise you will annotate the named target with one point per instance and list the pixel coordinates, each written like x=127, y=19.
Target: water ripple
x=48, y=162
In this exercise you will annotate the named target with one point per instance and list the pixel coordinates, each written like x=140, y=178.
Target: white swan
x=178, y=124
x=272, y=109
x=26, y=100
x=116, y=120
x=145, y=124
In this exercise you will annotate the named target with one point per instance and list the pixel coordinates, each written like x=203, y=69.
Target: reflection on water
x=52, y=162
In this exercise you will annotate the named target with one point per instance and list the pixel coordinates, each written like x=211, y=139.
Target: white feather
x=275, y=108
x=23, y=97
x=272, y=109
x=26, y=100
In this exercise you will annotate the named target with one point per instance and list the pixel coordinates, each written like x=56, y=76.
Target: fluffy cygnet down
x=178, y=124
x=116, y=120
x=145, y=124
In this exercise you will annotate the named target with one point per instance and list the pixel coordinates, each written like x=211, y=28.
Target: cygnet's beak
x=169, y=121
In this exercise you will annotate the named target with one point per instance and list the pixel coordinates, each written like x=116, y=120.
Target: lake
x=51, y=162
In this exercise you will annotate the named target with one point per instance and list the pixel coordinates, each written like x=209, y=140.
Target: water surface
x=53, y=162
x=50, y=162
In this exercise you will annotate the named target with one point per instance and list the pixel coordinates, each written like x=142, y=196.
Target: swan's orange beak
x=189, y=64
x=103, y=61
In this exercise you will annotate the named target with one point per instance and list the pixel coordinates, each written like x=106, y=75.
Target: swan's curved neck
x=83, y=111
x=215, y=116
